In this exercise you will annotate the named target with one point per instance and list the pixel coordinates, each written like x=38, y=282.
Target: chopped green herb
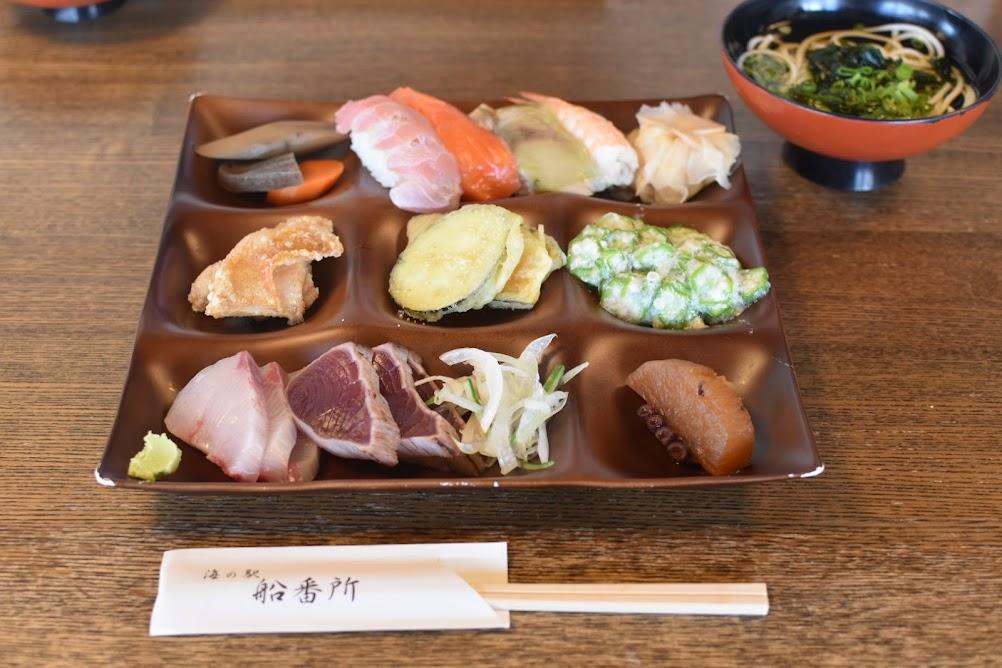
x=554, y=378
x=534, y=466
x=855, y=80
x=473, y=390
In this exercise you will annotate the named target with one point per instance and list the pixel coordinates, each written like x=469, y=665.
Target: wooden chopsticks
x=749, y=599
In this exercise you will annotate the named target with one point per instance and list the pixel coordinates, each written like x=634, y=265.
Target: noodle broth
x=887, y=71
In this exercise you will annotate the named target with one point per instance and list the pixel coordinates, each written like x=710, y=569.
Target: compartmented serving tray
x=596, y=441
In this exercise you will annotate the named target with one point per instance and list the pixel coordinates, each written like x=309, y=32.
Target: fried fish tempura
x=268, y=273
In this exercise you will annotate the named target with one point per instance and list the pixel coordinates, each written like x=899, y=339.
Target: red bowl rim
x=981, y=99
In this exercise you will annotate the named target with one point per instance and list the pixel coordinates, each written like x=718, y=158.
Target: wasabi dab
x=159, y=457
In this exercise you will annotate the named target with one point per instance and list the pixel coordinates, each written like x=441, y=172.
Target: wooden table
x=891, y=302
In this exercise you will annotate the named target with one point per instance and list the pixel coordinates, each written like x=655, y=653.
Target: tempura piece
x=680, y=153
x=268, y=273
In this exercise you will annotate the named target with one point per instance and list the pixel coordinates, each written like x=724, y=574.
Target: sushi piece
x=400, y=149
x=680, y=153
x=281, y=427
x=335, y=400
x=223, y=411
x=487, y=167
x=550, y=159
x=616, y=159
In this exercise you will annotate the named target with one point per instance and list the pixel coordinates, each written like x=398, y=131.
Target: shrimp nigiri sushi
x=615, y=158
x=487, y=167
x=401, y=150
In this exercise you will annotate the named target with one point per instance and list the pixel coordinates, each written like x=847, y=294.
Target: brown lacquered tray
x=596, y=441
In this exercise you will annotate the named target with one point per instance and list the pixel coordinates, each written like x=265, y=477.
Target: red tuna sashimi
x=401, y=150
x=335, y=400
x=223, y=411
x=487, y=167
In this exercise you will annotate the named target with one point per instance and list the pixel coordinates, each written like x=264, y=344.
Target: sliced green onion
x=554, y=378
x=532, y=466
x=473, y=390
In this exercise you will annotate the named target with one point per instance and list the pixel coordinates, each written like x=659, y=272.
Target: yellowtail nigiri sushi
x=401, y=150
x=615, y=158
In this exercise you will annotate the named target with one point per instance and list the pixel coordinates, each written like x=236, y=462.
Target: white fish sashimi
x=281, y=427
x=304, y=460
x=401, y=150
x=616, y=159
x=223, y=411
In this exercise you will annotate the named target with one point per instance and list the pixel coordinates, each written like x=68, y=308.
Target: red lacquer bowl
x=73, y=11
x=842, y=151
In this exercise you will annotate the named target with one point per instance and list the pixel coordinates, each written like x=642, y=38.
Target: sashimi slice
x=304, y=461
x=487, y=167
x=281, y=427
x=423, y=432
x=335, y=400
x=223, y=411
x=401, y=150
x=617, y=160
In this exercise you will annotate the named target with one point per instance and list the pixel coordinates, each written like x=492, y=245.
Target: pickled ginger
x=680, y=153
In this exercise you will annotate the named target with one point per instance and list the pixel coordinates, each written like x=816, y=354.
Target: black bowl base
x=84, y=13
x=846, y=175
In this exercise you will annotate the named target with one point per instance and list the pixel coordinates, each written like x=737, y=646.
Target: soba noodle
x=899, y=43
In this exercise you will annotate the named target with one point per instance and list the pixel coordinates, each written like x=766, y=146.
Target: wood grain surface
x=891, y=303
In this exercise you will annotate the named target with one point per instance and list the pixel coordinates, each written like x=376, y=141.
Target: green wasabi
x=159, y=457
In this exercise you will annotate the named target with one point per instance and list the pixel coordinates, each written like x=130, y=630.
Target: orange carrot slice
x=319, y=176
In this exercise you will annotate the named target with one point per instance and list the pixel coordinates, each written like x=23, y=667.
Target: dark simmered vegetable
x=689, y=404
x=280, y=171
x=271, y=139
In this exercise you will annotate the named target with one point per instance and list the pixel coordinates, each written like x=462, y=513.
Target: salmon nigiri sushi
x=614, y=156
x=487, y=167
x=401, y=150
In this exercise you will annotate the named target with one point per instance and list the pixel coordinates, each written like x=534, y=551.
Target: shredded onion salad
x=505, y=403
